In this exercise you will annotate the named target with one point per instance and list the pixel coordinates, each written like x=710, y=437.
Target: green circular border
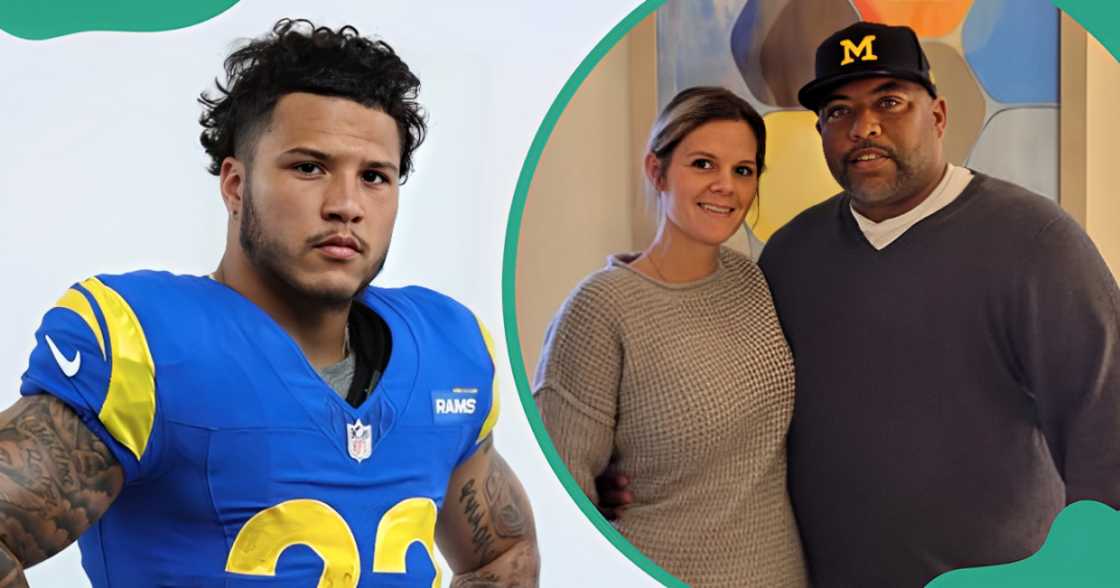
x=509, y=304
x=1100, y=17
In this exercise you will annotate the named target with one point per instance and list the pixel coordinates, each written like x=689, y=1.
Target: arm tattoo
x=521, y=571
x=56, y=479
x=481, y=537
x=500, y=500
x=11, y=573
x=478, y=580
x=506, y=510
x=499, y=519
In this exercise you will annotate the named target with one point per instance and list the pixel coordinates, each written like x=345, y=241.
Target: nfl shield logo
x=358, y=441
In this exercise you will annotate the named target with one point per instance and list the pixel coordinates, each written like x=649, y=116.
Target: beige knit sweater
x=688, y=388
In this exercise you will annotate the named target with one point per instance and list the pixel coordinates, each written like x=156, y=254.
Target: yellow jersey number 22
x=315, y=524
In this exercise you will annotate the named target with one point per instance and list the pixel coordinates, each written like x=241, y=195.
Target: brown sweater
x=688, y=388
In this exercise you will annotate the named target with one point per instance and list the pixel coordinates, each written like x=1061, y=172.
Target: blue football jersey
x=242, y=466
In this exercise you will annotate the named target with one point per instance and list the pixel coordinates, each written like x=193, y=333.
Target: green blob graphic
x=37, y=20
x=1080, y=551
x=1063, y=564
x=1100, y=17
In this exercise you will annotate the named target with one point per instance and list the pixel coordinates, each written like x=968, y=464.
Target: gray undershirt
x=339, y=375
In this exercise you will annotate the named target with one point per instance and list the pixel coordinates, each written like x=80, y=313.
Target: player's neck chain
x=346, y=343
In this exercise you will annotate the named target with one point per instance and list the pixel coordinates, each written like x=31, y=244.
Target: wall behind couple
x=994, y=61
x=1002, y=65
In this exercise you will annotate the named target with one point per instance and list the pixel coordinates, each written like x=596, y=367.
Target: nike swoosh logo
x=69, y=367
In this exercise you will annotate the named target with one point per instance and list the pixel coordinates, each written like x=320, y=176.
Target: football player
x=279, y=422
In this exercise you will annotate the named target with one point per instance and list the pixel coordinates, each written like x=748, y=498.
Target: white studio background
x=104, y=174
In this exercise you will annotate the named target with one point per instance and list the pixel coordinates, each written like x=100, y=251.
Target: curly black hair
x=300, y=57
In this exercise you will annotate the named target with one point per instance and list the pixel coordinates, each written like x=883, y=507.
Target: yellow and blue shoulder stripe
x=94, y=355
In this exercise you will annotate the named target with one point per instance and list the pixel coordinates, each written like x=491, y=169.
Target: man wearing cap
x=957, y=340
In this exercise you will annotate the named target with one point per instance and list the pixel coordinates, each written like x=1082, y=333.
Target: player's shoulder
x=420, y=304
x=435, y=319
x=456, y=346
x=423, y=299
x=148, y=278
x=147, y=287
x=137, y=293
x=99, y=348
x=157, y=300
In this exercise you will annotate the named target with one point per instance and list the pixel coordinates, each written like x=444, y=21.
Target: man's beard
x=272, y=261
x=904, y=183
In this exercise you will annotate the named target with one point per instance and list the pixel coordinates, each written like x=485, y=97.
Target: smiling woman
x=669, y=365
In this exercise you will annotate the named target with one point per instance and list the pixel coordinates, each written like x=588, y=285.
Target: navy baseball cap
x=864, y=50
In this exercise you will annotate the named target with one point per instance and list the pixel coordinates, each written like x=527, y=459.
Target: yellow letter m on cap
x=864, y=51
